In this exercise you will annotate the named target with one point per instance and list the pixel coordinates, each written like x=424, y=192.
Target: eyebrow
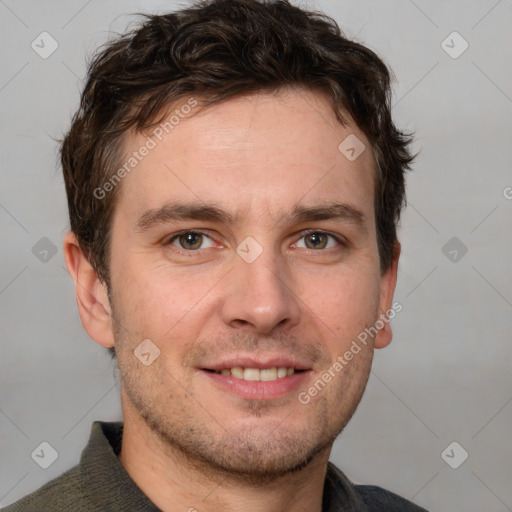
x=177, y=211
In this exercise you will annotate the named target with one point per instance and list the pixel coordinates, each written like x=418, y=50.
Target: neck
x=173, y=482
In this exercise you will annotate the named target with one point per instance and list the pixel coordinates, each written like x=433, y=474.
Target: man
x=234, y=183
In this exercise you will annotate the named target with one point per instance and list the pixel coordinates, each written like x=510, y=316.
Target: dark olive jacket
x=99, y=483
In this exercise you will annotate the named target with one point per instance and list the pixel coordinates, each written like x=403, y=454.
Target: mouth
x=256, y=374
x=253, y=383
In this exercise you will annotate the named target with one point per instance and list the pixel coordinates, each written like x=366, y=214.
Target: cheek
x=159, y=303
x=346, y=303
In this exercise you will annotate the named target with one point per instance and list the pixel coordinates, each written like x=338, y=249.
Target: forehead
x=260, y=154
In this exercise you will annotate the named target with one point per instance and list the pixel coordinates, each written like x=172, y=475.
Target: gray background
x=446, y=376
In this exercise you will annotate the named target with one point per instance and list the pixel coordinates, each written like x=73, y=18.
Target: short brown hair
x=216, y=50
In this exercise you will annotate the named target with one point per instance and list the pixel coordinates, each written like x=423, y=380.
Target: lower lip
x=259, y=390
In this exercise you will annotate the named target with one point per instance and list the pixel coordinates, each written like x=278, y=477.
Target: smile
x=258, y=383
x=257, y=374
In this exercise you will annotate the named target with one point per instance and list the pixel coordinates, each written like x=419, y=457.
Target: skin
x=188, y=443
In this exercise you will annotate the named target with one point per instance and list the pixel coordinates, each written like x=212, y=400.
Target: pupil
x=315, y=239
x=189, y=239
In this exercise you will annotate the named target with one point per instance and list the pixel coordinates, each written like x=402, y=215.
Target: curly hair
x=217, y=50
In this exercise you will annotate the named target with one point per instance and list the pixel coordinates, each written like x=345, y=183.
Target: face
x=243, y=243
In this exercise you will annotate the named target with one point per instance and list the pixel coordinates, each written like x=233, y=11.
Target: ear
x=387, y=290
x=91, y=294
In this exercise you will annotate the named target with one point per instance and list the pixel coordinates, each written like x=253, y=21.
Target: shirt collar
x=111, y=485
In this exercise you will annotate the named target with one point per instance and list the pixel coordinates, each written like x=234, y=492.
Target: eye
x=187, y=242
x=190, y=240
x=317, y=240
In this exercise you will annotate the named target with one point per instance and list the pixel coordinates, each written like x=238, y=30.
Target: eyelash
x=340, y=240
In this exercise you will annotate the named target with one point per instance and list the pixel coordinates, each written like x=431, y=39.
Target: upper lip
x=263, y=361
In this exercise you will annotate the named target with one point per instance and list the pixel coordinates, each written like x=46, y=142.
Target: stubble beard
x=195, y=439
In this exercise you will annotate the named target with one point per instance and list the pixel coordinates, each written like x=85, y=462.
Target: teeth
x=255, y=374
x=251, y=374
x=281, y=372
x=268, y=374
x=237, y=372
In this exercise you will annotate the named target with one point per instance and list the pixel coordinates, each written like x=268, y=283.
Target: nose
x=260, y=296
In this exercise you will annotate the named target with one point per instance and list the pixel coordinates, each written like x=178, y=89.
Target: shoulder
x=62, y=494
x=378, y=499
x=370, y=498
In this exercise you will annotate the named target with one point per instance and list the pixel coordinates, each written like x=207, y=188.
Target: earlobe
x=387, y=290
x=91, y=294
